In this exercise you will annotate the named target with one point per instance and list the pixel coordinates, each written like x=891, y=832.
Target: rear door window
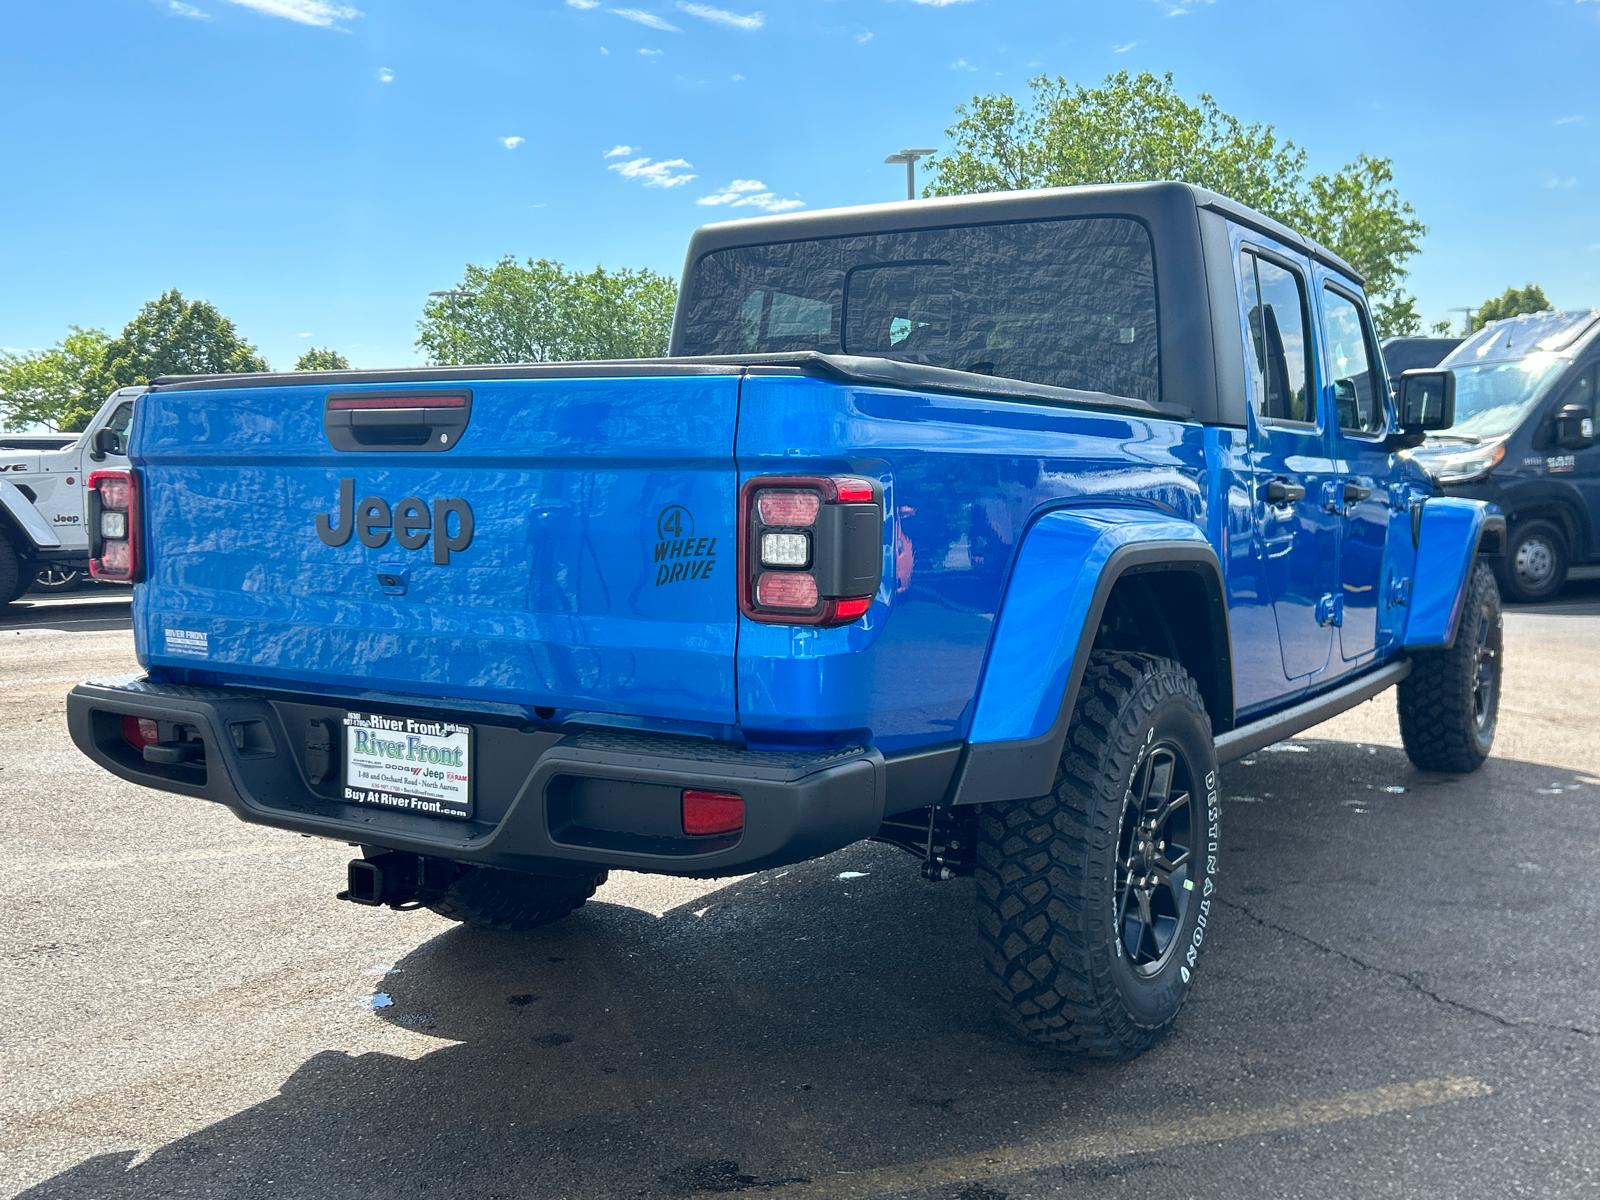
x=1280, y=356
x=1070, y=303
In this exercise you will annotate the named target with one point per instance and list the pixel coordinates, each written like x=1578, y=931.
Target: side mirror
x=1574, y=427
x=106, y=441
x=1426, y=400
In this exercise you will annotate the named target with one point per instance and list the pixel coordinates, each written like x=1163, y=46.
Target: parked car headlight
x=1461, y=466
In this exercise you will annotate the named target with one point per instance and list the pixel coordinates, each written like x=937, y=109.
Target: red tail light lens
x=712, y=812
x=810, y=548
x=794, y=509
x=787, y=589
x=115, y=522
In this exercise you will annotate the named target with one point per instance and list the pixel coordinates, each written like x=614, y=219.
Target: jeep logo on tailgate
x=410, y=521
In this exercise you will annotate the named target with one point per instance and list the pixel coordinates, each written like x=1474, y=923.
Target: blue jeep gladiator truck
x=986, y=527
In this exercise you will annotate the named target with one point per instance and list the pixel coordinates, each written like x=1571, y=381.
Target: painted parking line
x=1193, y=1131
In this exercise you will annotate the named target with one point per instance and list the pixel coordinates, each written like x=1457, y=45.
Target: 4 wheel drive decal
x=679, y=555
x=373, y=520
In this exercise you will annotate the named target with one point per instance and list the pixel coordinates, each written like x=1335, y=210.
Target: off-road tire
x=511, y=901
x=1450, y=703
x=1048, y=868
x=14, y=579
x=1542, y=543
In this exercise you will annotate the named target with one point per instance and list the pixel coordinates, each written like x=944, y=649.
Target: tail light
x=810, y=548
x=116, y=547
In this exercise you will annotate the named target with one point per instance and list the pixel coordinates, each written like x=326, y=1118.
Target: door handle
x=1281, y=491
x=1354, y=493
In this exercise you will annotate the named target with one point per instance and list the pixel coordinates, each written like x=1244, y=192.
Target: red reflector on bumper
x=851, y=608
x=139, y=732
x=712, y=812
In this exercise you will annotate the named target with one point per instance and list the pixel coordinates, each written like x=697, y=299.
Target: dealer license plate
x=405, y=763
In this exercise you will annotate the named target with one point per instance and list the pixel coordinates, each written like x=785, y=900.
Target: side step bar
x=1248, y=738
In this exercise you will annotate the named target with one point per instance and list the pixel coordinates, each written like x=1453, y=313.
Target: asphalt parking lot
x=1399, y=995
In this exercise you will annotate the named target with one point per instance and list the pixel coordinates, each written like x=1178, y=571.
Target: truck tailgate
x=585, y=561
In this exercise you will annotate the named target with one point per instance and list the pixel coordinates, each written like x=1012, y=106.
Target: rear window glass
x=1070, y=303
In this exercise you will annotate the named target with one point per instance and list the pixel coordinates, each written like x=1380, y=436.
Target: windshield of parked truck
x=1071, y=303
x=1504, y=369
x=1492, y=398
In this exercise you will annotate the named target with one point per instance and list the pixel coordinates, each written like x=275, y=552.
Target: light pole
x=1466, y=315
x=909, y=157
x=452, y=293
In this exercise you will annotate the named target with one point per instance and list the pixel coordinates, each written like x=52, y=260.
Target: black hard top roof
x=1147, y=201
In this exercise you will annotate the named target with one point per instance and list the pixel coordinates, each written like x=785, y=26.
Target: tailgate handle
x=396, y=422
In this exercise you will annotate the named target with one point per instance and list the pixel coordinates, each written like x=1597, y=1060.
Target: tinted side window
x=1348, y=342
x=121, y=418
x=1275, y=300
x=1070, y=303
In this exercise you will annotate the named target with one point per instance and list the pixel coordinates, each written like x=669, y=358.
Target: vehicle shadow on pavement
x=802, y=1022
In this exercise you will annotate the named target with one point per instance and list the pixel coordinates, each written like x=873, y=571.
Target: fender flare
x=16, y=512
x=1450, y=535
x=1062, y=575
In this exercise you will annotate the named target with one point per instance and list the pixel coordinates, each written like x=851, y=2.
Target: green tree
x=1137, y=127
x=1510, y=303
x=321, y=360
x=62, y=387
x=541, y=312
x=174, y=336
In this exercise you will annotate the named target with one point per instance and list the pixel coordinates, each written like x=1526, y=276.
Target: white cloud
x=511, y=143
x=302, y=335
x=648, y=19
x=1181, y=8
x=305, y=12
x=721, y=16
x=385, y=75
x=187, y=10
x=940, y=3
x=618, y=152
x=749, y=193
x=670, y=173
x=737, y=78
x=864, y=36
x=650, y=53
x=962, y=64
x=603, y=50
x=583, y=5
x=1560, y=183
x=1568, y=120
x=1124, y=48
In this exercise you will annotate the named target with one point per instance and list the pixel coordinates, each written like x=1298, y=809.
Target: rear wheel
x=1093, y=900
x=1535, y=563
x=511, y=901
x=1450, y=703
x=13, y=578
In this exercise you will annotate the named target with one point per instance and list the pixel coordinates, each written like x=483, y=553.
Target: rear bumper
x=545, y=801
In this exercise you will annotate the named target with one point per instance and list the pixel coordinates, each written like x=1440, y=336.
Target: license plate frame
x=407, y=764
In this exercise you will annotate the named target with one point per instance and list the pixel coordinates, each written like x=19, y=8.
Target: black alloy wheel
x=1155, y=859
x=1449, y=705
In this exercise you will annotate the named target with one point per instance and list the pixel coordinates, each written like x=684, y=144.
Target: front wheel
x=1450, y=703
x=1094, y=900
x=1535, y=563
x=56, y=578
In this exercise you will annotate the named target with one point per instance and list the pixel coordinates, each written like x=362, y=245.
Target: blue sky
x=316, y=167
